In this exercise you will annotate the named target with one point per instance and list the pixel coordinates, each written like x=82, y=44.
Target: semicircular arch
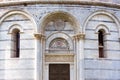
x=21, y=12
x=102, y=27
x=59, y=14
x=113, y=17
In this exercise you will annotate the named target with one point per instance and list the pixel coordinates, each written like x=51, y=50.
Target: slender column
x=72, y=75
x=80, y=56
x=39, y=56
x=46, y=72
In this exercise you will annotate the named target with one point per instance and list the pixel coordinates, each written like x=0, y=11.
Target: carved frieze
x=59, y=58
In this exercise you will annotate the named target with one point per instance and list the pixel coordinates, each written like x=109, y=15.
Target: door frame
x=72, y=69
x=58, y=68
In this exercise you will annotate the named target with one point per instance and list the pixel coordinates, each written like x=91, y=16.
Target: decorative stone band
x=77, y=2
x=39, y=36
x=57, y=57
x=79, y=36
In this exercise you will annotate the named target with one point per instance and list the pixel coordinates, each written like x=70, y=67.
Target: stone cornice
x=79, y=36
x=25, y=3
x=39, y=36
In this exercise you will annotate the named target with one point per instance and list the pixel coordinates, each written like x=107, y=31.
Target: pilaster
x=39, y=56
x=79, y=38
x=39, y=36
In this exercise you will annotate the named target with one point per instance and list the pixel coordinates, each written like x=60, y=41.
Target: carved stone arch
x=15, y=26
x=21, y=12
x=112, y=16
x=62, y=15
x=102, y=27
x=61, y=35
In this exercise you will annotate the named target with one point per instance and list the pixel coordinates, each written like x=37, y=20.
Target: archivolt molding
x=15, y=26
x=104, y=27
x=11, y=12
x=68, y=16
x=104, y=13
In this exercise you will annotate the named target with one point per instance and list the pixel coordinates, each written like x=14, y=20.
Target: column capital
x=79, y=36
x=39, y=36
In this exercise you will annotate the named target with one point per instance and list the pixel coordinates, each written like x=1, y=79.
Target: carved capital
x=79, y=36
x=39, y=36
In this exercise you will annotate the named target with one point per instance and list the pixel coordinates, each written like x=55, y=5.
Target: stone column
x=39, y=56
x=79, y=38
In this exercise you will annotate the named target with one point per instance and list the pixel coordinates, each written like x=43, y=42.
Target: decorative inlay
x=59, y=25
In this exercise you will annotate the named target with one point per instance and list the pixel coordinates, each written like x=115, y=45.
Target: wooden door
x=59, y=72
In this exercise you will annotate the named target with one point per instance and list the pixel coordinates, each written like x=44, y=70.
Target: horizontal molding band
x=104, y=40
x=112, y=5
x=24, y=30
x=99, y=79
x=94, y=30
x=16, y=20
x=97, y=49
x=103, y=59
x=20, y=49
x=102, y=21
x=20, y=39
x=101, y=69
x=85, y=39
x=17, y=69
x=18, y=59
x=17, y=79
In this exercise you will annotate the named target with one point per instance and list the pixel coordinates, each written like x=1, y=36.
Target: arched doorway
x=59, y=59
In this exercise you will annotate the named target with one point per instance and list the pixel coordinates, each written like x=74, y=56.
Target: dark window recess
x=16, y=43
x=101, y=43
x=17, y=36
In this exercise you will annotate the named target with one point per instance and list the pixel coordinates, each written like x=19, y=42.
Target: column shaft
x=80, y=56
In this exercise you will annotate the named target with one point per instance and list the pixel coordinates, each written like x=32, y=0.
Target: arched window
x=101, y=43
x=16, y=43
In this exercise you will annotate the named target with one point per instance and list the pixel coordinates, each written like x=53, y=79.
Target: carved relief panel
x=58, y=45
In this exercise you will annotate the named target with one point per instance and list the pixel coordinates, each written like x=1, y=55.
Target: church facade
x=59, y=40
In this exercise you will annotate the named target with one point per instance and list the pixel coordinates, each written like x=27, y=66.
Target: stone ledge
x=25, y=3
x=60, y=54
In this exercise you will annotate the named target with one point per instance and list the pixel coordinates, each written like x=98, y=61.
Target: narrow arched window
x=101, y=43
x=16, y=43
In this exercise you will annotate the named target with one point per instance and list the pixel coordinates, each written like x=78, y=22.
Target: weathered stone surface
x=40, y=25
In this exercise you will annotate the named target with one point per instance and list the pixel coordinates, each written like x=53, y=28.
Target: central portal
x=59, y=72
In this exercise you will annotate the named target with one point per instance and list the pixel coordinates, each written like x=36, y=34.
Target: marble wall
x=85, y=19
